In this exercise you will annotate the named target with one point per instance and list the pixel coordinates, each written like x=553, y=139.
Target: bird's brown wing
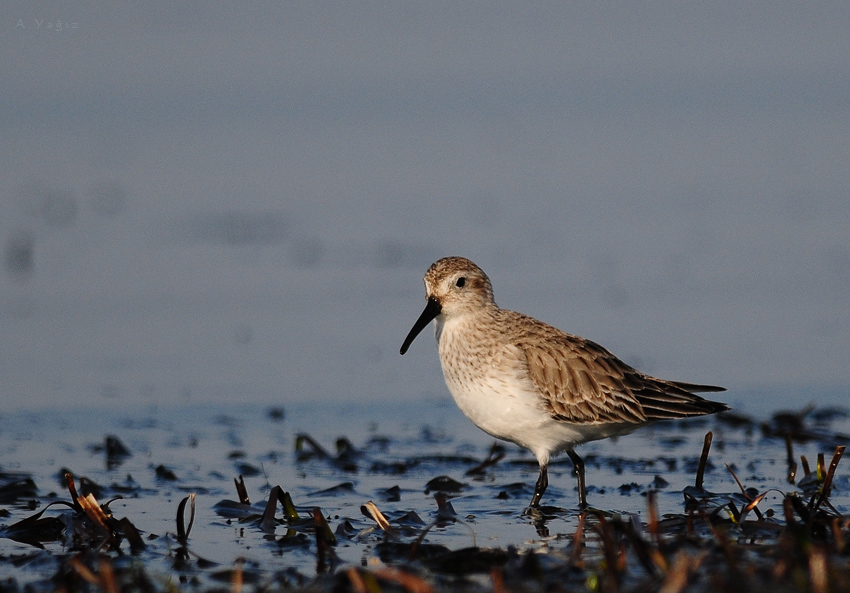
x=582, y=382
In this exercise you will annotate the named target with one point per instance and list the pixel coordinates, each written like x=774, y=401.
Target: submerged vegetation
x=757, y=537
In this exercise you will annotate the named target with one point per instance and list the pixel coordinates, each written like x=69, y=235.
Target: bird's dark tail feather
x=671, y=399
x=695, y=388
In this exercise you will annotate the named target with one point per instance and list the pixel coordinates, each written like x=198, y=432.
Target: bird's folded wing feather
x=582, y=382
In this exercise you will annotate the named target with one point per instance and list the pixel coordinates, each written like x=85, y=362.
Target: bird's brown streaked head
x=453, y=286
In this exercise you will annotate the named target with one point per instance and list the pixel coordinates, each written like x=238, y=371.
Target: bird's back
x=581, y=382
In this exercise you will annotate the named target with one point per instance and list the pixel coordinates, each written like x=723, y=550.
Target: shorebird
x=521, y=380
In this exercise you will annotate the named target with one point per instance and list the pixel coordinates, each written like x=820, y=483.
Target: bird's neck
x=460, y=327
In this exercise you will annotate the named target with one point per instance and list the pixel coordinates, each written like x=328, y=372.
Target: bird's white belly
x=497, y=409
x=506, y=410
x=519, y=418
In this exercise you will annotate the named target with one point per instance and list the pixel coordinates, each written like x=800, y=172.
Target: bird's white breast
x=489, y=383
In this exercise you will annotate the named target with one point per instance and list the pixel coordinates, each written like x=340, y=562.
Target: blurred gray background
x=211, y=202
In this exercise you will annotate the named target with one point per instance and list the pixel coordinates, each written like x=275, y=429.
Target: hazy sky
x=212, y=201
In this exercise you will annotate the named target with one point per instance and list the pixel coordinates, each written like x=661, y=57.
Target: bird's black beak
x=432, y=309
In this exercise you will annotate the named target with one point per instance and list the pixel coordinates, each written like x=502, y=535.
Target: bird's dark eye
x=460, y=282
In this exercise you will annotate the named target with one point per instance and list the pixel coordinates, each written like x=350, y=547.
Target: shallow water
x=397, y=450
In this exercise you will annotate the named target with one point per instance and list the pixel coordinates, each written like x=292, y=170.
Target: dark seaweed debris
x=750, y=538
x=87, y=525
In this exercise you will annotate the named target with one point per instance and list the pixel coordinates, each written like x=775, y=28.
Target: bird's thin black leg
x=582, y=489
x=540, y=486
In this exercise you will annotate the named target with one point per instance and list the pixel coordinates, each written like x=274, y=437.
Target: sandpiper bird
x=523, y=381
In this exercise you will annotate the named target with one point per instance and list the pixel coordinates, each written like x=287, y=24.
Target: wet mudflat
x=413, y=497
